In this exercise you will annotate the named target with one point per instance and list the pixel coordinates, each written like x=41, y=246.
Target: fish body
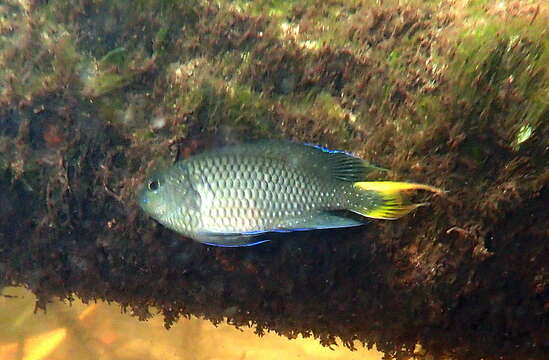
x=235, y=195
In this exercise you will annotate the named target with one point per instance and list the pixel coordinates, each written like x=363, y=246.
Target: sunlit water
x=101, y=331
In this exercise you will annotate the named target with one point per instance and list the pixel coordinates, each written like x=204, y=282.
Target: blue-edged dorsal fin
x=321, y=161
x=344, y=166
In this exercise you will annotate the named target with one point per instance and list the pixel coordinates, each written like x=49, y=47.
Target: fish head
x=169, y=197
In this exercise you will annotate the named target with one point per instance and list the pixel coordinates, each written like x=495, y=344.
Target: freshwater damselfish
x=239, y=195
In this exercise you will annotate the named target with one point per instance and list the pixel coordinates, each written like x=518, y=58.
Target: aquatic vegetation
x=94, y=94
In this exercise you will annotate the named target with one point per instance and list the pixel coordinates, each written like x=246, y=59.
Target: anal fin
x=323, y=220
x=230, y=240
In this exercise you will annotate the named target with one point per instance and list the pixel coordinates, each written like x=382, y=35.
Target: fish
x=241, y=195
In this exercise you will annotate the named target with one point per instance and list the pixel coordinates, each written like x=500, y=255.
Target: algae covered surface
x=96, y=94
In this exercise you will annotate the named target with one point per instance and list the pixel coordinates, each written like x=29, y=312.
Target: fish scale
x=236, y=196
x=266, y=192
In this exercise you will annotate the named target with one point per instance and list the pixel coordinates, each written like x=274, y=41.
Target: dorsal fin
x=324, y=162
x=344, y=166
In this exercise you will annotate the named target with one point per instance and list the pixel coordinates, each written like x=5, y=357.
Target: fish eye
x=153, y=185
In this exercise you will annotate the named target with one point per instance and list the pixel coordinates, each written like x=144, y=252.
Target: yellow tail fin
x=392, y=204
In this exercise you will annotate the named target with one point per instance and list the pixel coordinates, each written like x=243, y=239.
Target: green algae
x=115, y=57
x=278, y=8
x=524, y=133
x=494, y=56
x=106, y=83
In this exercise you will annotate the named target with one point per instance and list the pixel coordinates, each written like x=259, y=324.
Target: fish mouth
x=150, y=204
x=141, y=198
